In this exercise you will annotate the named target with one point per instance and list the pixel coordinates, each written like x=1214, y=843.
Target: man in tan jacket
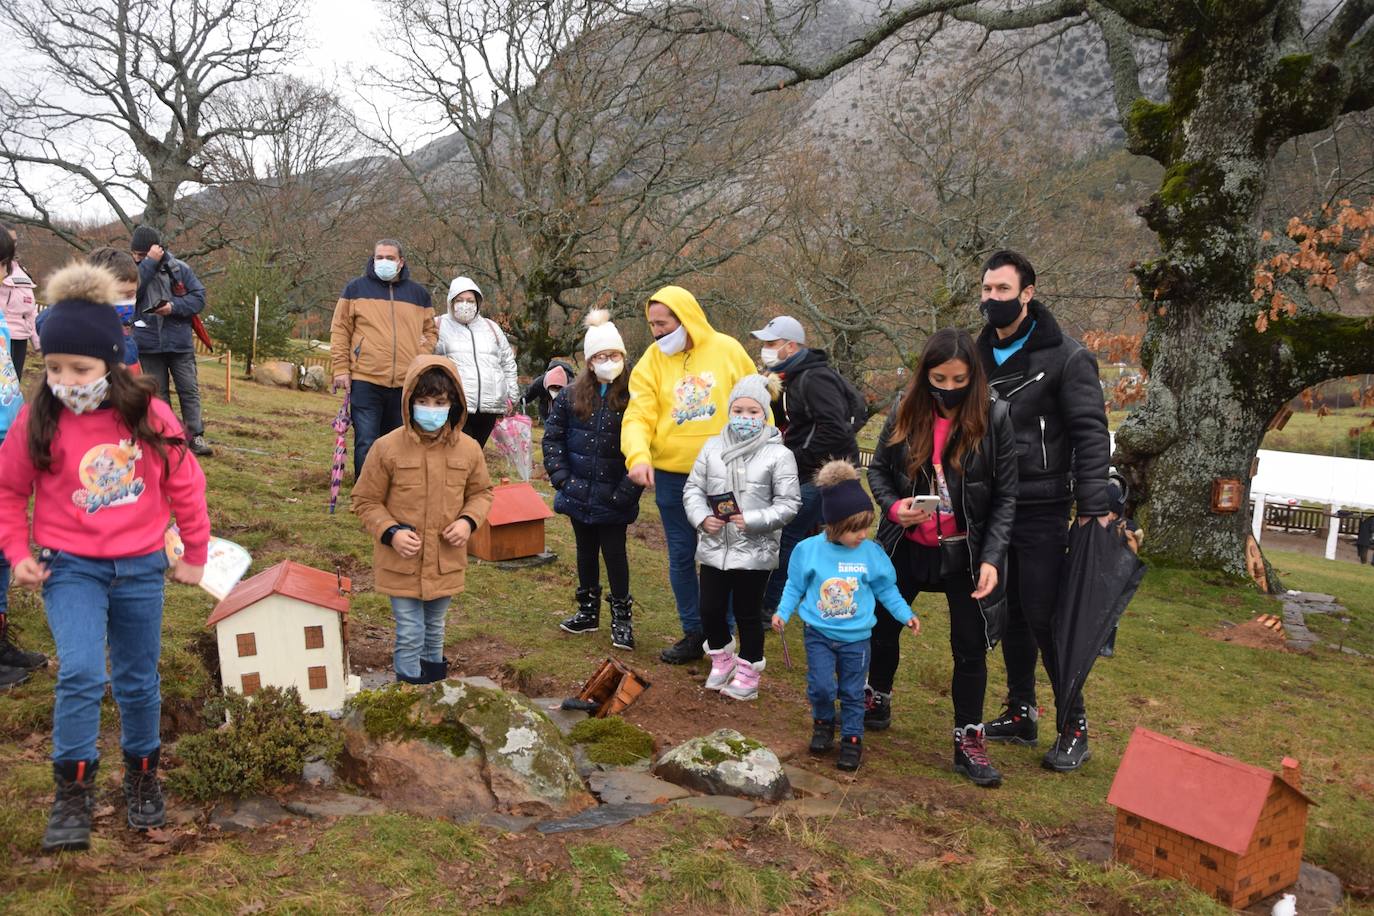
x=382, y=322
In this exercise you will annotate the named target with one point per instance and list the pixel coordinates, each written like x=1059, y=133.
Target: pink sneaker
x=745, y=685
x=723, y=662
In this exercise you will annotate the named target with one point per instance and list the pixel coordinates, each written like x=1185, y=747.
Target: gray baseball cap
x=783, y=327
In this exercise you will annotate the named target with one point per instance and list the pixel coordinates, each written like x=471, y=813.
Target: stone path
x=1296, y=607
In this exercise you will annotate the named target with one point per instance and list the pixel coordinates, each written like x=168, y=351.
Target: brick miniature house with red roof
x=515, y=525
x=1233, y=830
x=287, y=627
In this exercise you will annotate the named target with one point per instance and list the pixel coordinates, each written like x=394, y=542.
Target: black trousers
x=742, y=588
x=1034, y=566
x=917, y=571
x=595, y=542
x=19, y=348
x=480, y=425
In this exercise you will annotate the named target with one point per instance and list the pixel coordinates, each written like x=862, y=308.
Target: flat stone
x=245, y=814
x=811, y=807
x=318, y=773
x=1310, y=597
x=479, y=681
x=619, y=787
x=594, y=818
x=1293, y=616
x=565, y=719
x=809, y=782
x=339, y=804
x=371, y=680
x=762, y=813
x=728, y=805
x=510, y=823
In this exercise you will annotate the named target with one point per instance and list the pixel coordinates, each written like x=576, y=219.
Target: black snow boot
x=13, y=677
x=433, y=671
x=622, y=622
x=69, y=823
x=877, y=710
x=851, y=753
x=687, y=649
x=971, y=757
x=143, y=791
x=1070, y=749
x=822, y=736
x=1016, y=724
x=11, y=656
x=588, y=616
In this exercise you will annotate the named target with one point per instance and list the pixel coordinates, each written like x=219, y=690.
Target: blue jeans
x=796, y=531
x=419, y=632
x=682, y=548
x=836, y=667
x=92, y=603
x=4, y=585
x=376, y=411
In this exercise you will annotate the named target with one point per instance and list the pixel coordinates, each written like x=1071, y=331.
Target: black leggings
x=743, y=589
x=967, y=636
x=18, y=349
x=480, y=425
x=595, y=542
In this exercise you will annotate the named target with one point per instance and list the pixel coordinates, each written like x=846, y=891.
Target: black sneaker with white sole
x=1016, y=724
x=588, y=616
x=1070, y=749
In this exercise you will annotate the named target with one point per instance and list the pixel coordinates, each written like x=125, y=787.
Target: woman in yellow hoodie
x=679, y=398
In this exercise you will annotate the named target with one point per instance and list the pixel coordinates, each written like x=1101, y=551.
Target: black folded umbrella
x=1101, y=574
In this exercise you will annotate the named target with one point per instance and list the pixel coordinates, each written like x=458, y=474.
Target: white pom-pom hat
x=601, y=335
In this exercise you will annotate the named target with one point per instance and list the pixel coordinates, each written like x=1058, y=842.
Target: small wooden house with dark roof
x=287, y=627
x=514, y=527
x=1233, y=830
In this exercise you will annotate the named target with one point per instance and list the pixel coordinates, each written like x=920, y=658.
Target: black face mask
x=949, y=398
x=1001, y=313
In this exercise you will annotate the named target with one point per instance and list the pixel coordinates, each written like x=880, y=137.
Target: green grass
x=944, y=846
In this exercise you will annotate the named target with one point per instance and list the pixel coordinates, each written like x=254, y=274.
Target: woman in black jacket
x=585, y=465
x=944, y=476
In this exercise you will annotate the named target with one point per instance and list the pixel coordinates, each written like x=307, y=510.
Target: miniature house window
x=248, y=645
x=314, y=637
x=318, y=679
x=252, y=683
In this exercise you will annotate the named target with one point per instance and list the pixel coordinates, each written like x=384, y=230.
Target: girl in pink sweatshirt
x=106, y=464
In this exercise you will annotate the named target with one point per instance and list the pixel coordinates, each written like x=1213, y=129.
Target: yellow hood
x=685, y=306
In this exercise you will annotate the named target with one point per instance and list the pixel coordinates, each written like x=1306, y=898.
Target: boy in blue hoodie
x=15, y=664
x=837, y=577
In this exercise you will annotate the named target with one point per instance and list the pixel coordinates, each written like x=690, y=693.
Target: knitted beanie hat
x=758, y=388
x=601, y=334
x=144, y=237
x=81, y=321
x=841, y=493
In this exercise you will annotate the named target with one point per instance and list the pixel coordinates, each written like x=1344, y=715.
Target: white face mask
x=81, y=399
x=609, y=372
x=464, y=311
x=769, y=357
x=674, y=342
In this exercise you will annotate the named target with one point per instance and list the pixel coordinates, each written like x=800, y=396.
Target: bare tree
x=133, y=99
x=1243, y=78
x=584, y=158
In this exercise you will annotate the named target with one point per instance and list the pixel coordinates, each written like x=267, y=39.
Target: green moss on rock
x=388, y=712
x=612, y=741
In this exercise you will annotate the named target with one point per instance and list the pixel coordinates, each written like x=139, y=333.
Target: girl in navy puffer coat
x=582, y=455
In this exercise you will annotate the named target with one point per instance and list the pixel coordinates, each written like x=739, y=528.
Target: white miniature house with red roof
x=287, y=627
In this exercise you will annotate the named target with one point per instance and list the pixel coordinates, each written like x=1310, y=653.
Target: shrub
x=266, y=742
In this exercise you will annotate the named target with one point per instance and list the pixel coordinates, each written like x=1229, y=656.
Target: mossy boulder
x=454, y=749
x=725, y=763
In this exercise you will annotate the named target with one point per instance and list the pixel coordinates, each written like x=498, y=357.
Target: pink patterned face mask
x=81, y=399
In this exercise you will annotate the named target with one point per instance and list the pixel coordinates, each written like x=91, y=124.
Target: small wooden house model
x=287, y=627
x=515, y=525
x=1232, y=830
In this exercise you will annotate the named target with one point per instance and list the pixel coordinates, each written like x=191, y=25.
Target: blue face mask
x=746, y=427
x=385, y=270
x=429, y=418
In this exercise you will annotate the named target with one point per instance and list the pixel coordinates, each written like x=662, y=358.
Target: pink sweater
x=106, y=496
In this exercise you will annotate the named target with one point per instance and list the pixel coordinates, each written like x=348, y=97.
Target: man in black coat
x=1063, y=451
x=813, y=413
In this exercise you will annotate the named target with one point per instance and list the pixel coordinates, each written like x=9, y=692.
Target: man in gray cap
x=817, y=412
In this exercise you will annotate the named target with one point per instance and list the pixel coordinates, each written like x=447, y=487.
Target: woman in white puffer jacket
x=485, y=360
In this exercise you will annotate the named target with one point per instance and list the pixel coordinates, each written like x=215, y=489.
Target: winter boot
x=851, y=753
x=11, y=656
x=588, y=616
x=822, y=736
x=687, y=649
x=69, y=823
x=622, y=622
x=877, y=710
x=1016, y=724
x=724, y=661
x=13, y=677
x=199, y=447
x=971, y=757
x=433, y=671
x=143, y=792
x=745, y=684
x=407, y=679
x=1070, y=749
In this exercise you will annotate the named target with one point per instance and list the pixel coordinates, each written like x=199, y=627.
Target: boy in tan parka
x=423, y=491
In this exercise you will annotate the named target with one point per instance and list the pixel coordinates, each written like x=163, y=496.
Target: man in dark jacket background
x=1063, y=450
x=813, y=414
x=170, y=296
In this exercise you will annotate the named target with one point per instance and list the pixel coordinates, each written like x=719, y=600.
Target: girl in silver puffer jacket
x=742, y=491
